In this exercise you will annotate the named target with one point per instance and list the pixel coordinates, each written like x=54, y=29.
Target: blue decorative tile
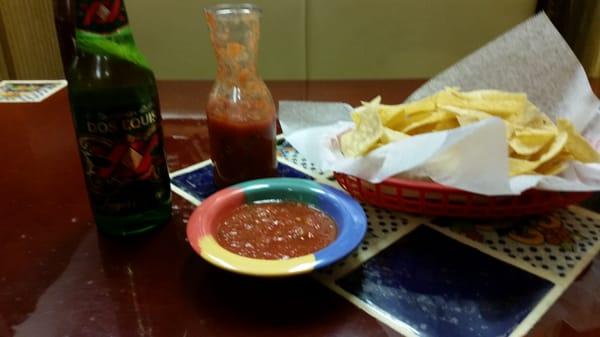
x=200, y=184
x=552, y=243
x=287, y=151
x=440, y=287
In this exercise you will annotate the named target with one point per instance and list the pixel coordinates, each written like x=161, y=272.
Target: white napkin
x=531, y=58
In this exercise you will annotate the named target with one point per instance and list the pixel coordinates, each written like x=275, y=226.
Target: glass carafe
x=241, y=113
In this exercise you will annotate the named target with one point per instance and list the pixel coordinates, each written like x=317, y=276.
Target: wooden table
x=59, y=278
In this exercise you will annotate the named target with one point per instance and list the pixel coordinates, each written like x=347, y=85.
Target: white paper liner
x=531, y=58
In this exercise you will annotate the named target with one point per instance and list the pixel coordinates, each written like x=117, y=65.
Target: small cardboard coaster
x=29, y=91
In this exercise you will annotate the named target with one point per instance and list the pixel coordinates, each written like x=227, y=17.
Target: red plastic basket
x=429, y=198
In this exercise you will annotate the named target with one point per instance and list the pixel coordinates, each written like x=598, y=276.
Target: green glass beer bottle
x=117, y=120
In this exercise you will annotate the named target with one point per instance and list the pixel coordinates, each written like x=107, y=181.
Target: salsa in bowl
x=276, y=227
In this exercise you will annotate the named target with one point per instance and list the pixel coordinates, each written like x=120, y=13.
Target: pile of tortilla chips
x=536, y=144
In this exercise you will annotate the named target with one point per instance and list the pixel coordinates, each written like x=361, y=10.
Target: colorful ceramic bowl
x=347, y=213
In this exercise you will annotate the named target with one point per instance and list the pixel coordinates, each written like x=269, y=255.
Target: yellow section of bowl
x=222, y=258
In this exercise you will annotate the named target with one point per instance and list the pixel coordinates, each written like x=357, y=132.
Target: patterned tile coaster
x=384, y=227
x=287, y=151
x=570, y=241
x=195, y=183
x=556, y=262
x=555, y=246
x=427, y=284
x=539, y=257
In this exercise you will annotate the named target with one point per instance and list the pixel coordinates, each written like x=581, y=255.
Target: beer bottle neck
x=103, y=17
x=102, y=28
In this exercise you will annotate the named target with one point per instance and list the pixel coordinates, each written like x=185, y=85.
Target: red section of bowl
x=208, y=213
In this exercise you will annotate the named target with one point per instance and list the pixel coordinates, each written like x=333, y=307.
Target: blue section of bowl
x=351, y=220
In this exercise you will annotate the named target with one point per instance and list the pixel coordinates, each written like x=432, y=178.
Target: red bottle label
x=123, y=160
x=101, y=16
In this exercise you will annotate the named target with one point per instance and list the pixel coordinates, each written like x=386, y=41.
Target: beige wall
x=174, y=37
x=330, y=39
x=314, y=39
x=402, y=39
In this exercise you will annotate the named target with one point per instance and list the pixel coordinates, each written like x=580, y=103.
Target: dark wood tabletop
x=58, y=277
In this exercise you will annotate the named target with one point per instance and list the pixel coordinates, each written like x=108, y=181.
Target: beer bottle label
x=123, y=159
x=102, y=28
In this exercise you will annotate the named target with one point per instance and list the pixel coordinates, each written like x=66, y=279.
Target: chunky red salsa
x=242, y=141
x=275, y=230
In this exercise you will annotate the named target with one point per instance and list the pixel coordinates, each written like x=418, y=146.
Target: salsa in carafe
x=242, y=148
x=240, y=111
